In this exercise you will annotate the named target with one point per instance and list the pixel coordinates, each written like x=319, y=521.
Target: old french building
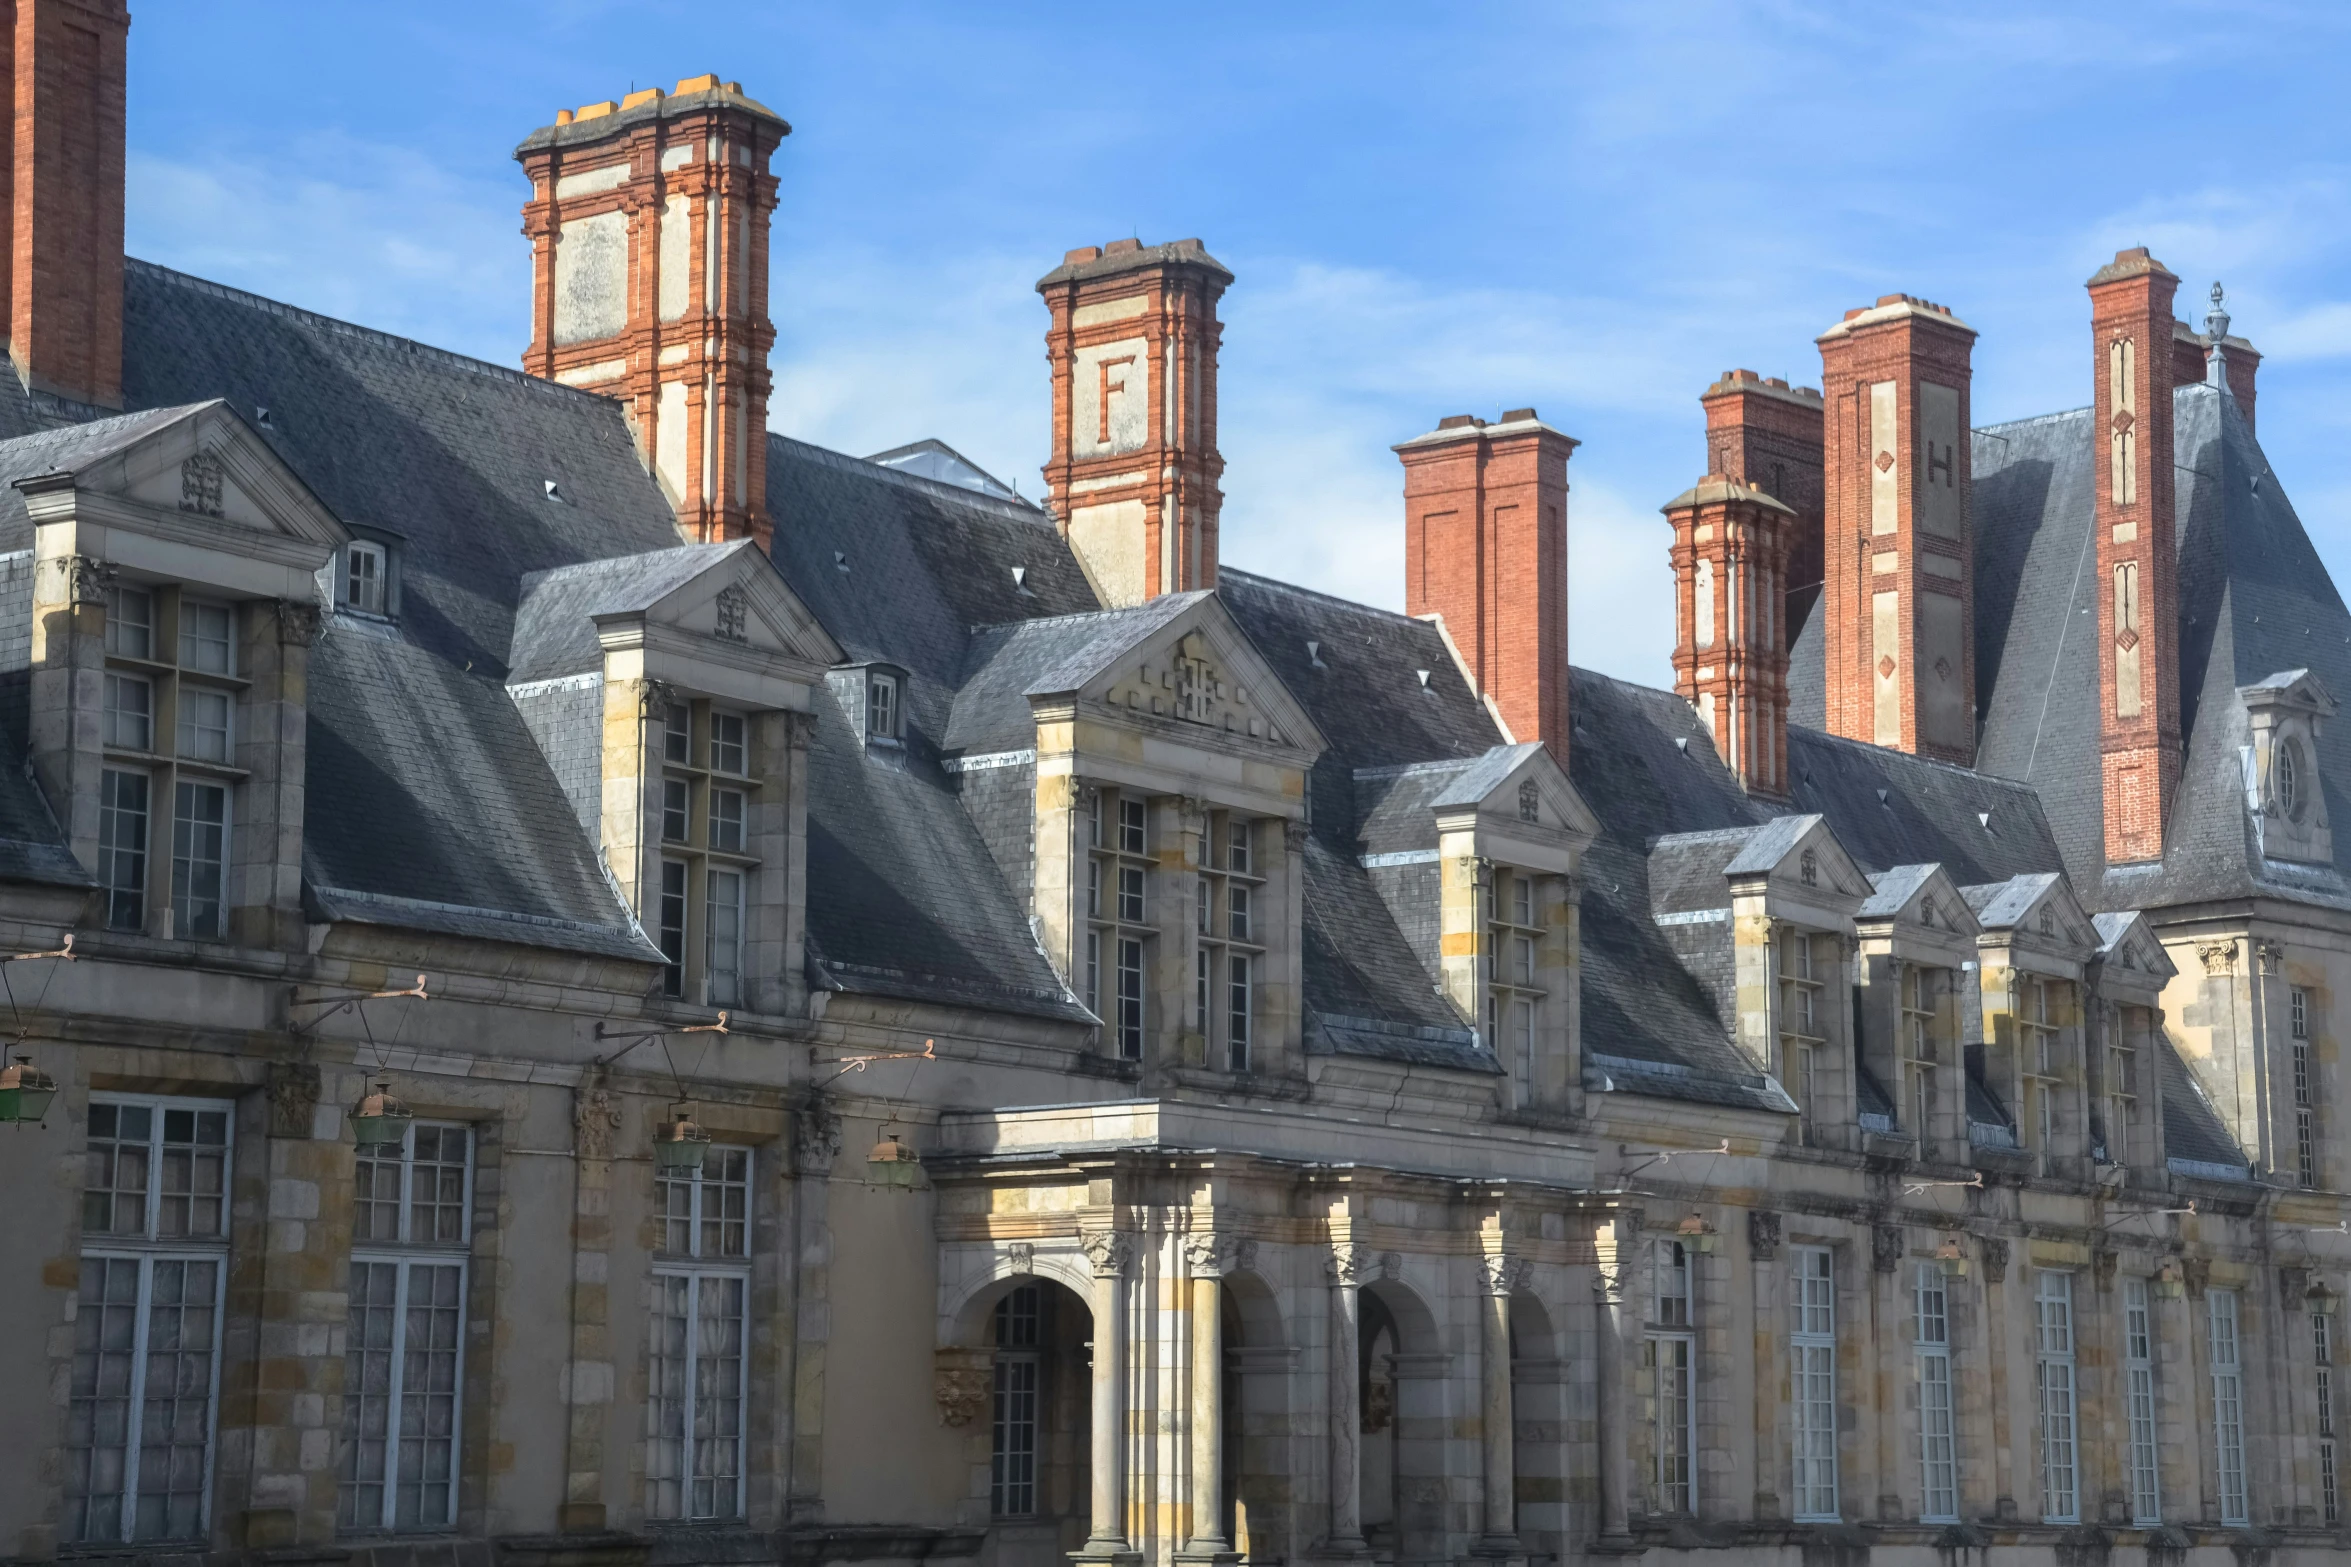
x=938, y=1029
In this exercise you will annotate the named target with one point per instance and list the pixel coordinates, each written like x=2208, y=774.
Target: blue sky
x=1592, y=208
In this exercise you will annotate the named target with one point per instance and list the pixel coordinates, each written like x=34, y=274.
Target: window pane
x=199, y=858
x=208, y=637
x=430, y=1329
x=677, y=731
x=128, y=716
x=1237, y=847
x=1130, y=999
x=192, y=1176
x=726, y=820
x=881, y=708
x=436, y=1201
x=122, y=847
x=672, y=927
x=676, y=809
x=205, y=723
x=1130, y=826
x=725, y=927
x=367, y=1394
x=726, y=743
x=375, y=1187
x=1238, y=1012
x=130, y=622
x=1130, y=894
x=117, y=1170
x=363, y=577
x=100, y=1412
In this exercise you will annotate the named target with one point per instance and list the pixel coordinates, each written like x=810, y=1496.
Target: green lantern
x=891, y=1163
x=679, y=1142
x=25, y=1091
x=380, y=1120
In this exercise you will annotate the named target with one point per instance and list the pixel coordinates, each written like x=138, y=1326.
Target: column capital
x=1108, y=1251
x=1504, y=1274
x=1210, y=1256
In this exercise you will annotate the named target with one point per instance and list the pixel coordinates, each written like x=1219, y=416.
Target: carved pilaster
x=1886, y=1246
x=1995, y=1253
x=2218, y=957
x=1763, y=1234
x=2293, y=1286
x=298, y=622
x=594, y=1118
x=817, y=1137
x=293, y=1098
x=2198, y=1272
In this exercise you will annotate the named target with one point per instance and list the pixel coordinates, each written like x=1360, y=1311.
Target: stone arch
x=1013, y=1372
x=1538, y=1414
x=1406, y=1403
x=967, y=1304
x=1259, y=1456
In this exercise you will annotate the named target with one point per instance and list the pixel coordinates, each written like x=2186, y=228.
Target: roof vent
x=1984, y=819
x=1020, y=576
x=1314, y=656
x=1681, y=743
x=1424, y=678
x=840, y=563
x=261, y=416
x=1881, y=797
x=553, y=493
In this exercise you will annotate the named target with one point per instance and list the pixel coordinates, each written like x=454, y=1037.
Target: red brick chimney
x=648, y=221
x=1133, y=480
x=1897, y=594
x=2132, y=341
x=64, y=262
x=1731, y=548
x=1763, y=433
x=1485, y=552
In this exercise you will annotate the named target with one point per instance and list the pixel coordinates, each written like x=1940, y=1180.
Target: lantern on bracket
x=679, y=1141
x=1696, y=1235
x=380, y=1119
x=26, y=1091
x=892, y=1163
x=2171, y=1281
x=1953, y=1257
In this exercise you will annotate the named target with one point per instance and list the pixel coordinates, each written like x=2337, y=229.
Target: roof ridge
x=1022, y=510
x=342, y=328
x=2014, y=424
x=1108, y=612
x=1261, y=580
x=1913, y=757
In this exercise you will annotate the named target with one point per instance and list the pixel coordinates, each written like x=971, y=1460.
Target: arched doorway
x=1035, y=1336
x=1404, y=1401
x=1257, y=1454
x=1538, y=1413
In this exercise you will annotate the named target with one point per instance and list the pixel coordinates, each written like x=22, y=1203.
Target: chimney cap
x=1892, y=308
x=1515, y=425
x=2134, y=262
x=1132, y=255
x=596, y=122
x=1716, y=490
x=1460, y=422
x=1746, y=383
x=1514, y=415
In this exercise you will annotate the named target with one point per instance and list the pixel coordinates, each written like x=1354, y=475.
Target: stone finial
x=2216, y=327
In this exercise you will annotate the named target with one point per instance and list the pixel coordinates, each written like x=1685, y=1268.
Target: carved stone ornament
x=2272, y=955
x=2218, y=957
x=1346, y=1262
x=1379, y=1404
x=2293, y=1285
x=1763, y=1234
x=2198, y=1272
x=1505, y=1275
x=298, y=622
x=200, y=486
x=2102, y=1266
x=1886, y=1247
x=962, y=1382
x=86, y=579
x=1108, y=1251
x=1206, y=1256
x=1995, y=1254
x=817, y=1137
x=1021, y=1258
x=293, y=1098
x=732, y=609
x=594, y=1118
x=1391, y=1265
x=1530, y=801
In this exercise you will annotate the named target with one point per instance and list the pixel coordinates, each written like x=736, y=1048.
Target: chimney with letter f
x=2132, y=340
x=1485, y=553
x=648, y=221
x=64, y=259
x=1134, y=473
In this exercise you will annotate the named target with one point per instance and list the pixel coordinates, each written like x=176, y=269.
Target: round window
x=2286, y=774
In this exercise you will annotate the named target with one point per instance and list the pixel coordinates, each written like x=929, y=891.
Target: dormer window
x=2286, y=774
x=1512, y=995
x=881, y=706
x=701, y=903
x=366, y=578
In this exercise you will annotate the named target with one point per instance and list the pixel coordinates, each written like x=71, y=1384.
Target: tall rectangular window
x=145, y=1373
x=671, y=920
x=1014, y=1425
x=1801, y=1011
x=2322, y=1347
x=1812, y=1344
x=726, y=820
x=1094, y=973
x=1668, y=1392
x=2305, y=1095
x=2138, y=1371
x=1938, y=1442
x=1130, y=998
x=127, y=716
x=122, y=847
x=2053, y=1378
x=723, y=928
x=403, y=1360
x=2228, y=1405
x=1240, y=997
x=701, y=1299
x=199, y=858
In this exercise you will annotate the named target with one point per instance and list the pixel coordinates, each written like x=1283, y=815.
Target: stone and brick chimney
x=1898, y=561
x=1766, y=434
x=2134, y=357
x=1133, y=480
x=1731, y=548
x=649, y=221
x=2191, y=358
x=64, y=258
x=1485, y=552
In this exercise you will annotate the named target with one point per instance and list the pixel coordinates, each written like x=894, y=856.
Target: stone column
x=1106, y=1541
x=1346, y=1273
x=1891, y=1334
x=1501, y=1275
x=1209, y=1543
x=1615, y=1436
x=2001, y=1345
x=588, y=1374
x=816, y=1145
x=1763, y=1253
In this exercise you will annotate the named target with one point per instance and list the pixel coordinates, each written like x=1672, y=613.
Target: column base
x=1503, y=1550
x=1348, y=1551
x=1212, y=1553
x=1107, y=1553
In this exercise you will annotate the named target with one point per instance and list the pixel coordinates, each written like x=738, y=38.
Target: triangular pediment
x=1914, y=898
x=1798, y=857
x=2128, y=944
x=1191, y=675
x=2039, y=911
x=740, y=600
x=205, y=467
x=1518, y=790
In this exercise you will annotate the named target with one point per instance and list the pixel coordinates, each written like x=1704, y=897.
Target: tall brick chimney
x=1485, y=551
x=1766, y=434
x=1133, y=480
x=2132, y=344
x=648, y=222
x=64, y=260
x=1898, y=589
x=1732, y=544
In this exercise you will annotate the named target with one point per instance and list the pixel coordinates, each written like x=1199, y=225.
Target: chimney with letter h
x=648, y=221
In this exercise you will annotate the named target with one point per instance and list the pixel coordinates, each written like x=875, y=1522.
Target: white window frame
x=1938, y=1422
x=722, y=955
x=379, y=580
x=2141, y=1428
x=182, y=894
x=2305, y=1092
x=2322, y=1357
x=1812, y=1384
x=125, y=893
x=2053, y=1383
x=406, y=1253
x=2224, y=1327
x=699, y=1270
x=1018, y=1373
x=882, y=721
x=1670, y=1379
x=145, y=1251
